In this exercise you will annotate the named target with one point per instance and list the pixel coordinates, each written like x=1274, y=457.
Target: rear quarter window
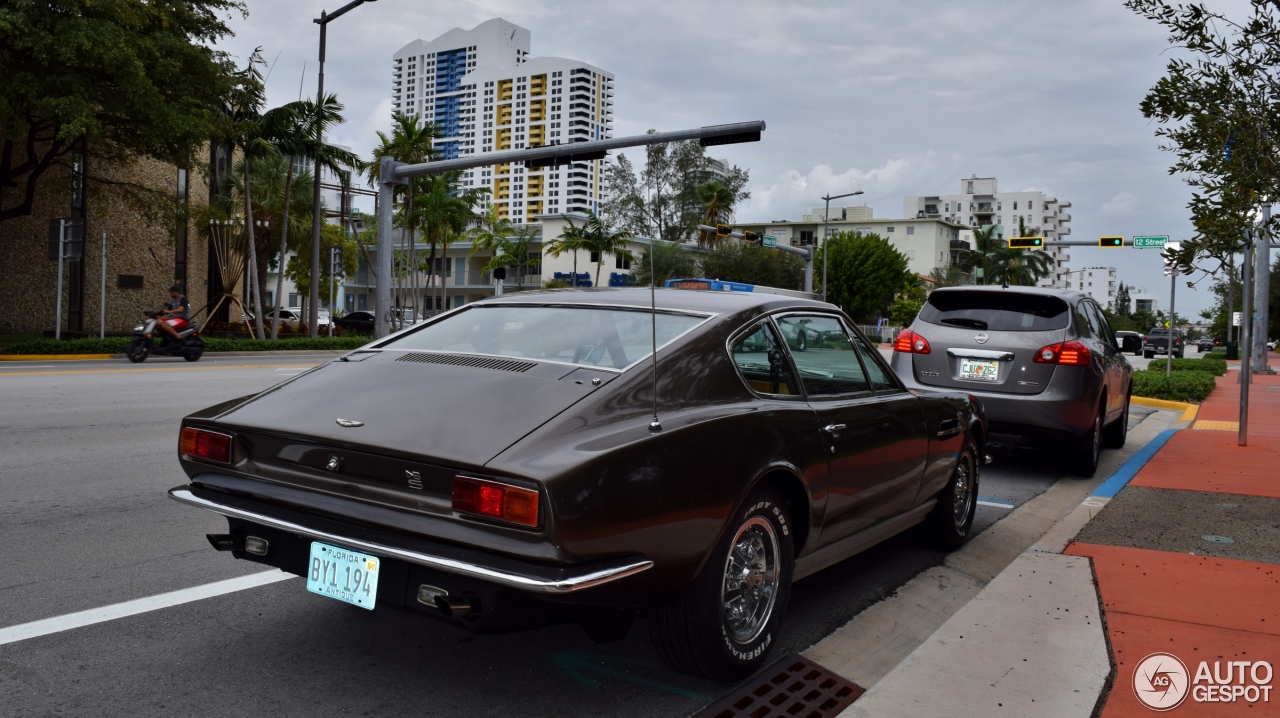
x=996, y=311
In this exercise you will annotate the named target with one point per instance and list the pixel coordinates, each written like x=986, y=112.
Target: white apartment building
x=926, y=243
x=1098, y=282
x=485, y=93
x=980, y=203
x=1140, y=300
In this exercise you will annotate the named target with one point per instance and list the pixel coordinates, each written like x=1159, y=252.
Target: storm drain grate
x=477, y=362
x=792, y=687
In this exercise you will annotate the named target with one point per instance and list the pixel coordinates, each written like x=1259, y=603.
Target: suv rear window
x=996, y=311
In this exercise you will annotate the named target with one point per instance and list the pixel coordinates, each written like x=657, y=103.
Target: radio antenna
x=654, y=425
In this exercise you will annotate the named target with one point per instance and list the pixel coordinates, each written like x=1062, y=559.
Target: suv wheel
x=1085, y=460
x=1113, y=437
x=730, y=617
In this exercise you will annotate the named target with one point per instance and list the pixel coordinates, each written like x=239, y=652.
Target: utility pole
x=1246, y=329
x=1262, y=295
x=825, y=221
x=102, y=302
x=62, y=244
x=1171, y=271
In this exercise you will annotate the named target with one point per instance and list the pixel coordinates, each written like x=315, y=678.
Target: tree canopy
x=133, y=79
x=749, y=263
x=864, y=274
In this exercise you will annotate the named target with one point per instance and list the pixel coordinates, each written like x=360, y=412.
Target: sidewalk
x=1187, y=561
x=1185, y=576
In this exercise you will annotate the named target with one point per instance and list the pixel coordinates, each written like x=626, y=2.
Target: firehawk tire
x=952, y=517
x=725, y=625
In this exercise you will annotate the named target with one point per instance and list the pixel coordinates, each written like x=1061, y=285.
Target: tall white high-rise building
x=1098, y=282
x=980, y=203
x=485, y=93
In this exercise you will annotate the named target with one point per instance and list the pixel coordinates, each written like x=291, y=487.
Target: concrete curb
x=1189, y=411
x=55, y=357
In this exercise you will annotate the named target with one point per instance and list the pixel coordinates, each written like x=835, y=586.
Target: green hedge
x=1193, y=386
x=1211, y=364
x=116, y=345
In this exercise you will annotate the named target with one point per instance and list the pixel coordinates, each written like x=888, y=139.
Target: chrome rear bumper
x=566, y=581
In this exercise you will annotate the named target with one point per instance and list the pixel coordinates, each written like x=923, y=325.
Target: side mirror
x=1130, y=344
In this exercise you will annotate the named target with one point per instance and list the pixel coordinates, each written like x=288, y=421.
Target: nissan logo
x=981, y=338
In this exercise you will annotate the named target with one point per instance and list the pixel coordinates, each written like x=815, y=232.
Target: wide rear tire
x=952, y=517
x=138, y=350
x=193, y=353
x=725, y=625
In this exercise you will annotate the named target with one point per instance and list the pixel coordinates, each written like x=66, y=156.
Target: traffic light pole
x=806, y=254
x=394, y=173
x=1246, y=328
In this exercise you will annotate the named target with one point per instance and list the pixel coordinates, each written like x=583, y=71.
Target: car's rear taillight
x=499, y=501
x=1065, y=354
x=909, y=342
x=204, y=444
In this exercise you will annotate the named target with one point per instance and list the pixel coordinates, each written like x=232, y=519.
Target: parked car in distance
x=1129, y=342
x=290, y=317
x=501, y=466
x=1043, y=362
x=358, y=322
x=1204, y=345
x=1157, y=342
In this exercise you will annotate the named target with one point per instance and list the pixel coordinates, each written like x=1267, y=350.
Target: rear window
x=587, y=336
x=996, y=311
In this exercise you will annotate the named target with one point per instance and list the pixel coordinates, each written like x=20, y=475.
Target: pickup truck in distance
x=1157, y=342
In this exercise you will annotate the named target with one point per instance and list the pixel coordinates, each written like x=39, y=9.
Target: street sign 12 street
x=769, y=241
x=1152, y=242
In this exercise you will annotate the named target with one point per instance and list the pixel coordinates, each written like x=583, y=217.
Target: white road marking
x=997, y=504
x=57, y=624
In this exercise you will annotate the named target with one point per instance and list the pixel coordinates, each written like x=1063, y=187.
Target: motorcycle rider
x=176, y=314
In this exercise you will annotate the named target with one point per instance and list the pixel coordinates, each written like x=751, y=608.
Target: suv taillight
x=1065, y=354
x=909, y=342
x=499, y=501
x=204, y=444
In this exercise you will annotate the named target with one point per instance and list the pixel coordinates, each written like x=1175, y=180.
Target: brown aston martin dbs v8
x=498, y=466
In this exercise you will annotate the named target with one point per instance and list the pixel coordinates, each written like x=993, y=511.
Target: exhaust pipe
x=226, y=542
x=458, y=606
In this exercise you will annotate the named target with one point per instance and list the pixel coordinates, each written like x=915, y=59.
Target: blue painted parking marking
x=1130, y=468
x=998, y=503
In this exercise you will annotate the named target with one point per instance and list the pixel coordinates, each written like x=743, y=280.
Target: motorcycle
x=188, y=345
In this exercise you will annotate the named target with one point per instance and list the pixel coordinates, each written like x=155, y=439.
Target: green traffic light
x=1110, y=241
x=1026, y=242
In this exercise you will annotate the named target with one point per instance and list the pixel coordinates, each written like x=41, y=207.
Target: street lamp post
x=313, y=310
x=826, y=219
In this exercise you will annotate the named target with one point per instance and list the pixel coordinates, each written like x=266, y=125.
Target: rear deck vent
x=476, y=362
x=793, y=686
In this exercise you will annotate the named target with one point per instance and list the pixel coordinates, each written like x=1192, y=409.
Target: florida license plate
x=344, y=574
x=980, y=370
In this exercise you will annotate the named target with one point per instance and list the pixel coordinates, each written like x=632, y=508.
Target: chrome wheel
x=963, y=493
x=751, y=575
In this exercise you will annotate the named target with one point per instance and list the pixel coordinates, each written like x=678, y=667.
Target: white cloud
x=1121, y=205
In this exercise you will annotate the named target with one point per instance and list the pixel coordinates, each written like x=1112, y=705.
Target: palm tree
x=572, y=238
x=1026, y=267
x=1004, y=265
x=511, y=248
x=294, y=129
x=600, y=239
x=244, y=112
x=411, y=142
x=717, y=203
x=443, y=213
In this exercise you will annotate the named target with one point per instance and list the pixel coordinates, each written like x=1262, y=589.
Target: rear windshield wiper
x=963, y=322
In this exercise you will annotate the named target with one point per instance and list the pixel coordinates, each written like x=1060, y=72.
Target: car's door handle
x=833, y=428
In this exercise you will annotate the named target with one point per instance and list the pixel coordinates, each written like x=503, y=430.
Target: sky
x=892, y=98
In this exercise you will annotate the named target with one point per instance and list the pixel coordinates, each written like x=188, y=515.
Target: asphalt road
x=87, y=451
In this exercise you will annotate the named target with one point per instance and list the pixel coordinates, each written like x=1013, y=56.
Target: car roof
x=1069, y=294
x=712, y=302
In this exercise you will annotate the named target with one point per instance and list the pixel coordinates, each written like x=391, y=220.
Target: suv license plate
x=979, y=370
x=344, y=574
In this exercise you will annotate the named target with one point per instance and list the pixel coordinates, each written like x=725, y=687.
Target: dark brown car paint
x=611, y=488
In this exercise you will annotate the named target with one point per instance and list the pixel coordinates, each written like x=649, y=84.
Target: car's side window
x=1084, y=325
x=880, y=379
x=1102, y=325
x=763, y=363
x=823, y=355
